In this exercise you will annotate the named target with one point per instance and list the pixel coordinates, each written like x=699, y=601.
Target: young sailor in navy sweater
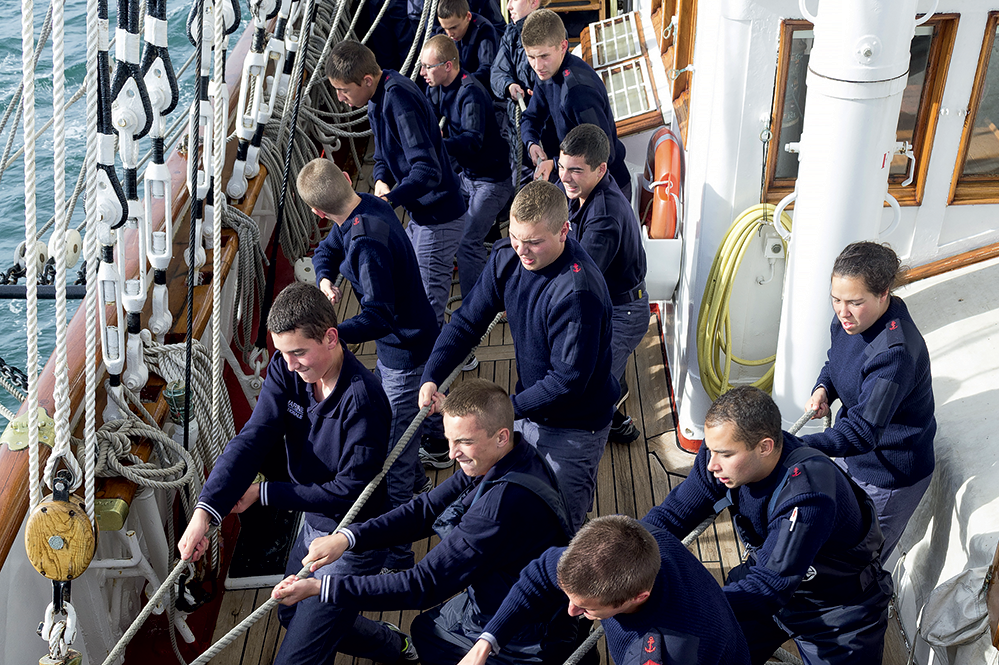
x=494, y=517
x=409, y=153
x=512, y=79
x=813, y=570
x=368, y=246
x=559, y=313
x=662, y=607
x=604, y=223
x=473, y=139
x=568, y=94
x=331, y=416
x=879, y=368
x=474, y=37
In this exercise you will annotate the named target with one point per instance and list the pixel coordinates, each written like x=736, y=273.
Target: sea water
x=13, y=328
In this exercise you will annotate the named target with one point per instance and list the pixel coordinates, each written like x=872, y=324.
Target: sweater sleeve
x=825, y=378
x=482, y=540
x=532, y=121
x=243, y=456
x=467, y=325
x=573, y=326
x=361, y=455
x=795, y=534
x=328, y=256
x=886, y=380
x=601, y=239
x=586, y=104
x=424, y=173
x=380, y=170
x=487, y=54
x=502, y=76
x=372, y=262
x=466, y=144
x=533, y=599
x=690, y=502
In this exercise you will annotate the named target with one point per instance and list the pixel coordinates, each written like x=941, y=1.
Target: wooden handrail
x=952, y=263
x=14, y=464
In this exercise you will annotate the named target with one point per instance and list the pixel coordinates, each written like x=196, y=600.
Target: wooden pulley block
x=72, y=658
x=59, y=538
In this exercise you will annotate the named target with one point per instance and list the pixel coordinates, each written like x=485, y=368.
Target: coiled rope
x=714, y=329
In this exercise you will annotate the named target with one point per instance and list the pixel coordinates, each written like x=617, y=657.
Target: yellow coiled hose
x=714, y=353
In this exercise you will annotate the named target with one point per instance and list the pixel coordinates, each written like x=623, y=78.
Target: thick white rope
x=61, y=450
x=221, y=203
x=90, y=256
x=30, y=211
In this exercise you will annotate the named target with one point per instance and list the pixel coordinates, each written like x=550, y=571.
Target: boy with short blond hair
x=369, y=247
x=559, y=313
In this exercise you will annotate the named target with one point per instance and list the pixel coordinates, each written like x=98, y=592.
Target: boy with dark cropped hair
x=473, y=139
x=328, y=413
x=412, y=168
x=604, y=223
x=559, y=313
x=474, y=36
x=663, y=606
x=568, y=92
x=813, y=566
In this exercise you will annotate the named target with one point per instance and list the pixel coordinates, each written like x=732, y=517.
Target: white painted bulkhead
x=734, y=60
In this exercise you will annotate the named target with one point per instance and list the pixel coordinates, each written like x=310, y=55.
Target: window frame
x=937, y=66
x=972, y=189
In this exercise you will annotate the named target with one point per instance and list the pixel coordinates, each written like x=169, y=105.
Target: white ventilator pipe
x=856, y=75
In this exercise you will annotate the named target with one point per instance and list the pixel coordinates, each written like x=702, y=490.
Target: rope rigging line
x=30, y=212
x=304, y=30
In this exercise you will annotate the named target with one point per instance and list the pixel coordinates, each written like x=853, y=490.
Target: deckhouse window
x=977, y=169
x=928, y=58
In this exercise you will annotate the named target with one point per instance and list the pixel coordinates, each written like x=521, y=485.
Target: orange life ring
x=645, y=194
x=665, y=196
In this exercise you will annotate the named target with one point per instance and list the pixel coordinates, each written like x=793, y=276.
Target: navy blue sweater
x=607, y=229
x=498, y=535
x=409, y=152
x=334, y=447
x=373, y=253
x=471, y=133
x=477, y=49
x=826, y=526
x=511, y=65
x=572, y=96
x=686, y=606
x=560, y=318
x=882, y=376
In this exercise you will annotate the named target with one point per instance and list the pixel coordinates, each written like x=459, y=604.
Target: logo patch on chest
x=296, y=409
